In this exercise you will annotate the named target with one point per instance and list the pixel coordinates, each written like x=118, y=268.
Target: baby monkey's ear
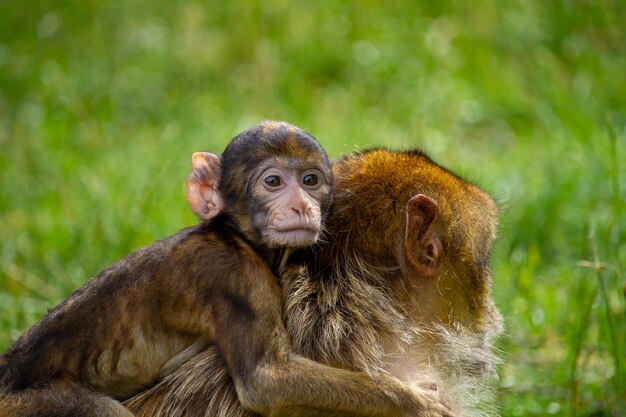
x=202, y=192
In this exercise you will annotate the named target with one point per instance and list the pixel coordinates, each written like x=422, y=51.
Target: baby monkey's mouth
x=293, y=235
x=298, y=227
x=304, y=229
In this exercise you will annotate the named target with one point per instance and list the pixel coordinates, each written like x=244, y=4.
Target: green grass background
x=103, y=102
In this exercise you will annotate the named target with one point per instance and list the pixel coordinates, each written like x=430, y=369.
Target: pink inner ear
x=431, y=252
x=202, y=193
x=422, y=246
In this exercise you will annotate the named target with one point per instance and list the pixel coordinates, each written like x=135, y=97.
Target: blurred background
x=103, y=102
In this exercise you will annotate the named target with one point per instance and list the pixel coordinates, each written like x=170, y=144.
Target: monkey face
x=275, y=181
x=287, y=200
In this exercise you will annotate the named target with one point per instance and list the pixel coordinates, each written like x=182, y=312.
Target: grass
x=102, y=104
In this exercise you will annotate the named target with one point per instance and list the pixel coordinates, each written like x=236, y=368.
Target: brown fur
x=361, y=305
x=207, y=287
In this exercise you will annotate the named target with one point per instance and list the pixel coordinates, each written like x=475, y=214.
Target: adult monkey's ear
x=423, y=247
x=202, y=185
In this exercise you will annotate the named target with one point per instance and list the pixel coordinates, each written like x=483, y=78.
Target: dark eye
x=273, y=181
x=310, y=180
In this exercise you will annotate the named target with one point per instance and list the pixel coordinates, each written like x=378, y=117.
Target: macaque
x=400, y=286
x=212, y=286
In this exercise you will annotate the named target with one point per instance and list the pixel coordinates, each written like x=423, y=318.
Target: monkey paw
x=431, y=404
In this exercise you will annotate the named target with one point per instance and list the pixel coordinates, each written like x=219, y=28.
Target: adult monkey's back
x=402, y=286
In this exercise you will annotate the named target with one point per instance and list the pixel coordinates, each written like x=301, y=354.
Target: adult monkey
x=401, y=287
x=209, y=285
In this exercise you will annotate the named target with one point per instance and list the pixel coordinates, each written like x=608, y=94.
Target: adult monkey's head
x=275, y=180
x=402, y=211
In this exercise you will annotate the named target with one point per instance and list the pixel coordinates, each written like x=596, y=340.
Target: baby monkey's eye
x=273, y=180
x=310, y=180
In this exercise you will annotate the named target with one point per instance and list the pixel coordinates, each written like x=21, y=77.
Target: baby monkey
x=209, y=285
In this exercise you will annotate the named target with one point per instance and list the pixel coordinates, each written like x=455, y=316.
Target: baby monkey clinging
x=208, y=285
